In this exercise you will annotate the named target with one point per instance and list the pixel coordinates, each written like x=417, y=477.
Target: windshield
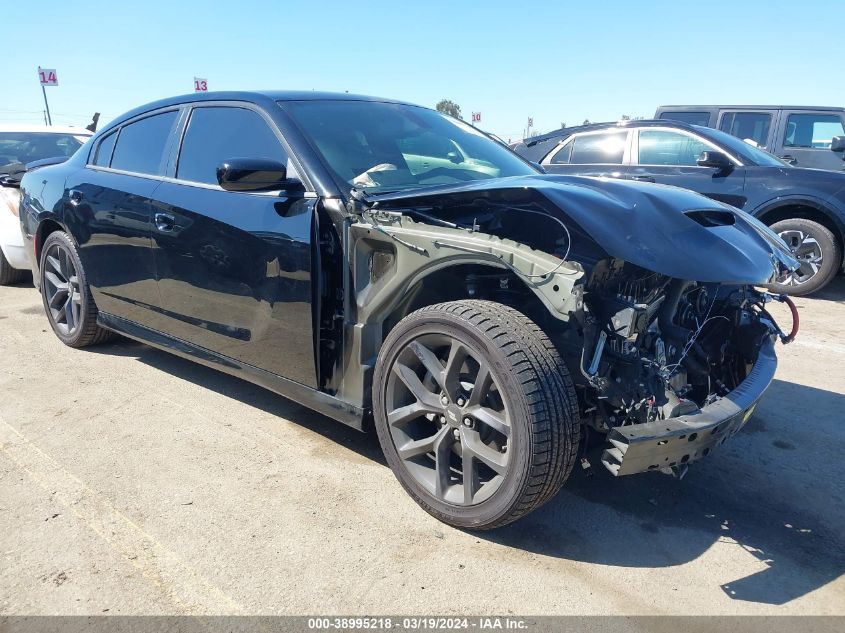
x=745, y=150
x=18, y=148
x=380, y=147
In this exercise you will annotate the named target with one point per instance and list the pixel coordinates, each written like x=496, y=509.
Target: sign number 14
x=48, y=77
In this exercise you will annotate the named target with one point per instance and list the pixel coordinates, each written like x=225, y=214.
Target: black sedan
x=806, y=207
x=383, y=263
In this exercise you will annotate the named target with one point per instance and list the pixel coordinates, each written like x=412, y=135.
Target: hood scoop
x=712, y=217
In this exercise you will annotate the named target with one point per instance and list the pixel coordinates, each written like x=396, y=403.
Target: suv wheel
x=818, y=251
x=475, y=412
x=66, y=296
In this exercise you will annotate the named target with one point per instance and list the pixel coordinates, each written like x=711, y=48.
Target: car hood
x=664, y=229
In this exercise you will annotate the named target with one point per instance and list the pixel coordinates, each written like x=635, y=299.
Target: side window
x=598, y=149
x=563, y=156
x=216, y=134
x=749, y=126
x=104, y=151
x=141, y=144
x=812, y=131
x=663, y=147
x=693, y=118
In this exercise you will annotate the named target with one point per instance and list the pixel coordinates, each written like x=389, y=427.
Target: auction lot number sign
x=48, y=77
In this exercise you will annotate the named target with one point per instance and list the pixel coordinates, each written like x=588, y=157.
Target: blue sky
x=556, y=61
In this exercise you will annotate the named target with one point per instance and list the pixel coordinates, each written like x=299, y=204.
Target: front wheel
x=815, y=248
x=475, y=412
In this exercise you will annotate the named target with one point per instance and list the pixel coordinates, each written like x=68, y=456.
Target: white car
x=19, y=145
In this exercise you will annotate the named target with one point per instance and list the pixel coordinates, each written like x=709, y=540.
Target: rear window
x=25, y=147
x=812, y=131
x=140, y=146
x=104, y=150
x=749, y=126
x=693, y=118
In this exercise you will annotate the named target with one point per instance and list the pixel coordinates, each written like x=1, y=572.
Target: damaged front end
x=670, y=368
x=649, y=293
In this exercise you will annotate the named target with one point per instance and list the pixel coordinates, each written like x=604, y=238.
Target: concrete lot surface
x=134, y=482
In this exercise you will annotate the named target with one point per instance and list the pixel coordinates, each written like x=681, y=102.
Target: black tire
x=529, y=378
x=9, y=275
x=80, y=330
x=810, y=242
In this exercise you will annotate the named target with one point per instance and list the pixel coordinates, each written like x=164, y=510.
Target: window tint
x=663, y=147
x=361, y=142
x=814, y=131
x=141, y=144
x=693, y=118
x=217, y=134
x=598, y=148
x=563, y=155
x=104, y=150
x=749, y=126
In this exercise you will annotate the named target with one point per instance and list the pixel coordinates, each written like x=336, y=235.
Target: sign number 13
x=200, y=85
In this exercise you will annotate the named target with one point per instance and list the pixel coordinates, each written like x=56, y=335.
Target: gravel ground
x=134, y=482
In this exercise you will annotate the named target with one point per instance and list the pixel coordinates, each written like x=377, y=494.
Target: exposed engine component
x=656, y=347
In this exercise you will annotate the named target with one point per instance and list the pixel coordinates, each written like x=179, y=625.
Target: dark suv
x=799, y=135
x=806, y=207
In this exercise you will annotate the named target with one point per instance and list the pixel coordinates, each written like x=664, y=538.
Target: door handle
x=164, y=222
x=643, y=178
x=75, y=197
x=789, y=159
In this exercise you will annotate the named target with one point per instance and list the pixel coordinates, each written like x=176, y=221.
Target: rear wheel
x=9, y=275
x=66, y=295
x=475, y=412
x=816, y=249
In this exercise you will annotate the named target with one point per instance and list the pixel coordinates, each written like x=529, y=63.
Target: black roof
x=254, y=96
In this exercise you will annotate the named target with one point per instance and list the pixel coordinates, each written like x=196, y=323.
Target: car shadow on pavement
x=834, y=291
x=764, y=493
x=251, y=395
x=744, y=496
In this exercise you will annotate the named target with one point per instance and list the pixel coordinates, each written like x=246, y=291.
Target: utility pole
x=49, y=120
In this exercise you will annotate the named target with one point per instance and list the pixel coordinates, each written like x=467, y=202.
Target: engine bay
x=654, y=347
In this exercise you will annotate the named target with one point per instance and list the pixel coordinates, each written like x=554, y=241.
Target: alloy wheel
x=806, y=249
x=61, y=288
x=448, y=419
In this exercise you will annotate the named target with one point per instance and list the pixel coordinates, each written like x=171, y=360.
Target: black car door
x=234, y=268
x=109, y=215
x=603, y=153
x=670, y=156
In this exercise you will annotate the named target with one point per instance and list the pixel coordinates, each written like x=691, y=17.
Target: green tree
x=449, y=107
x=586, y=122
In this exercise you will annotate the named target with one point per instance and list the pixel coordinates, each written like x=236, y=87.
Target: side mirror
x=717, y=160
x=838, y=144
x=454, y=157
x=254, y=174
x=539, y=167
